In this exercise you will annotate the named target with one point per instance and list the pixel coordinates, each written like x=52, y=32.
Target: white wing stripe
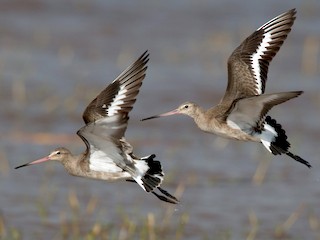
x=255, y=60
x=117, y=101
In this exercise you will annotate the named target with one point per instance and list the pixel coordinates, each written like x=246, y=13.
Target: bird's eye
x=186, y=106
x=58, y=153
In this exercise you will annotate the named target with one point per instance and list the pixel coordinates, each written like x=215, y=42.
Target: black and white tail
x=274, y=138
x=149, y=175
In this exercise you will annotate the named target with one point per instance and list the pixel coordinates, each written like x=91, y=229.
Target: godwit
x=108, y=155
x=241, y=114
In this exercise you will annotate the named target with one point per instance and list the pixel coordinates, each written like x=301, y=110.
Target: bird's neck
x=74, y=165
x=200, y=117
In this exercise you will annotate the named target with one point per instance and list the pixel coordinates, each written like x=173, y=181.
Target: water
x=56, y=56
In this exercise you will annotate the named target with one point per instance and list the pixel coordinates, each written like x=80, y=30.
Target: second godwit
x=242, y=112
x=108, y=155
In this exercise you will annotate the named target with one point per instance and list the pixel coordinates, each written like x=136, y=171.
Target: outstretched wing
x=248, y=64
x=248, y=114
x=106, y=119
x=120, y=95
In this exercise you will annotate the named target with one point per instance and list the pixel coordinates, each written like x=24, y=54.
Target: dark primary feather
x=131, y=79
x=115, y=126
x=241, y=77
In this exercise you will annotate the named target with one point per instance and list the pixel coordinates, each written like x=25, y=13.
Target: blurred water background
x=56, y=56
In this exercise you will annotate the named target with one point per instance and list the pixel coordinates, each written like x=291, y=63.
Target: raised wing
x=120, y=95
x=248, y=64
x=106, y=119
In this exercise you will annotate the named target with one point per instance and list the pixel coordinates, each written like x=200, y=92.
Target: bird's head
x=59, y=154
x=187, y=108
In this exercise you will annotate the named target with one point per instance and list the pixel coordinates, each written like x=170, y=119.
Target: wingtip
x=146, y=52
x=293, y=10
x=299, y=93
x=293, y=13
x=145, y=57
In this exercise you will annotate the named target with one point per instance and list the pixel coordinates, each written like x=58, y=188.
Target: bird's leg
x=299, y=159
x=165, y=199
x=167, y=194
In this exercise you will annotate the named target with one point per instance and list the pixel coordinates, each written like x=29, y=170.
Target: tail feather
x=279, y=144
x=148, y=174
x=274, y=138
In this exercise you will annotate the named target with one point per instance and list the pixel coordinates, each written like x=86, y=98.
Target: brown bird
x=108, y=155
x=242, y=112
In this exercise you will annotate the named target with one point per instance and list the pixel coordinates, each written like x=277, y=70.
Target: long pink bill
x=34, y=162
x=175, y=111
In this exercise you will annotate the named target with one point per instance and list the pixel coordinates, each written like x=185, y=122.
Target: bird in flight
x=109, y=156
x=242, y=113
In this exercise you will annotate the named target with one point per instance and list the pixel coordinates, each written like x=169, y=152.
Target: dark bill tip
x=148, y=118
x=24, y=165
